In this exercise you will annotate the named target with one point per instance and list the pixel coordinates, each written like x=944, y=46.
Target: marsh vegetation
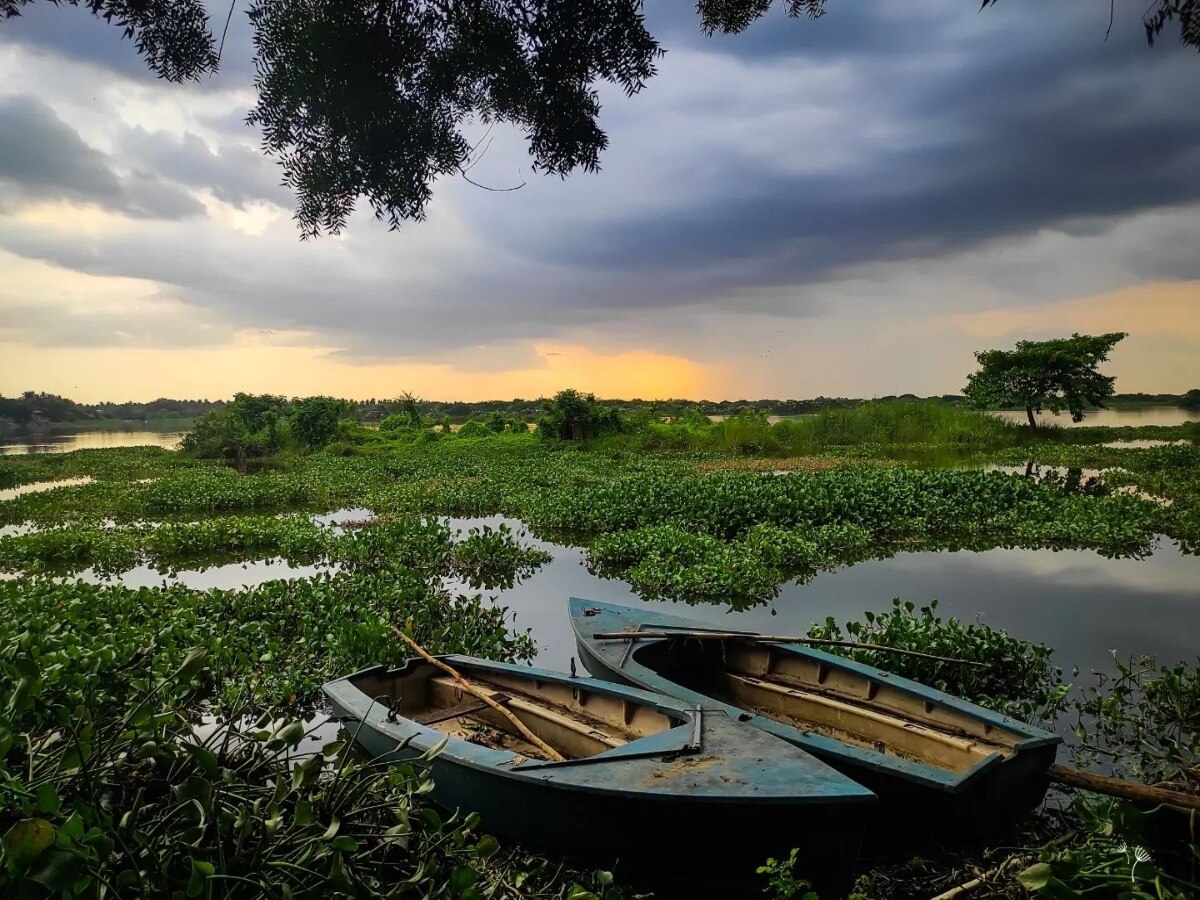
x=103, y=691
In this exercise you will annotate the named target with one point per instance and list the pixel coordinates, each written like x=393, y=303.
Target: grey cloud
x=848, y=28
x=47, y=325
x=149, y=196
x=373, y=314
x=40, y=154
x=236, y=174
x=495, y=356
x=43, y=158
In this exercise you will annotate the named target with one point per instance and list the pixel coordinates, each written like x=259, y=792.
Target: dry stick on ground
x=773, y=639
x=483, y=695
x=1012, y=862
x=1122, y=789
x=968, y=886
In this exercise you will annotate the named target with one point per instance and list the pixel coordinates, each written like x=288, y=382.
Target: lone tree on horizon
x=1038, y=375
x=362, y=98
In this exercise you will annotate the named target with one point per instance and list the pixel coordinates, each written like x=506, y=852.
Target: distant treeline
x=33, y=408
x=529, y=410
x=1190, y=400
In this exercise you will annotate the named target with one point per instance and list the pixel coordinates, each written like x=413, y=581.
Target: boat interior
x=814, y=695
x=575, y=721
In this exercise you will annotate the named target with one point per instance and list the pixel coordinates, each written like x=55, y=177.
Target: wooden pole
x=1122, y=789
x=773, y=639
x=482, y=694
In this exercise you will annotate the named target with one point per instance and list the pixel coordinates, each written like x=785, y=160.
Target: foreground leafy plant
x=104, y=802
x=280, y=640
x=1110, y=861
x=782, y=884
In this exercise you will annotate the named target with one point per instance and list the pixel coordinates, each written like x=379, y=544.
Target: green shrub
x=572, y=416
x=314, y=421
x=473, y=429
x=1019, y=678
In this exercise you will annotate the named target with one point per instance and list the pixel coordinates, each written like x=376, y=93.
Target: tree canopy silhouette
x=1055, y=375
x=374, y=98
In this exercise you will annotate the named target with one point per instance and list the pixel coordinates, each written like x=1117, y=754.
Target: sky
x=846, y=207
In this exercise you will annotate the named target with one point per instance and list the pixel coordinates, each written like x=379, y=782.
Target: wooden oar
x=482, y=694
x=773, y=639
x=1122, y=789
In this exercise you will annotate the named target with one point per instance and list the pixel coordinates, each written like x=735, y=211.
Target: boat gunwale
x=910, y=770
x=423, y=739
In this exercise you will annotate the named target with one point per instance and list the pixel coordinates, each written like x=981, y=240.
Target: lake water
x=1115, y=418
x=1079, y=603
x=38, y=486
x=87, y=440
x=1156, y=415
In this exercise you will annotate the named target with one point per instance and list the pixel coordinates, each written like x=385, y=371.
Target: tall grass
x=899, y=423
x=878, y=423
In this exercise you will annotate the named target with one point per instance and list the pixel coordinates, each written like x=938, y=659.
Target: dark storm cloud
x=1030, y=127
x=1018, y=173
x=754, y=167
x=849, y=28
x=42, y=155
x=43, y=158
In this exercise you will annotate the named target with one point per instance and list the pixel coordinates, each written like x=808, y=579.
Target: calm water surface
x=1079, y=603
x=87, y=440
x=38, y=486
x=1116, y=418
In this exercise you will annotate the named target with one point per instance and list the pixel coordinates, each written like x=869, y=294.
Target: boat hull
x=911, y=807
x=615, y=814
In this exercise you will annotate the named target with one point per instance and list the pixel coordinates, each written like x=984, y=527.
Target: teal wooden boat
x=643, y=773
x=935, y=761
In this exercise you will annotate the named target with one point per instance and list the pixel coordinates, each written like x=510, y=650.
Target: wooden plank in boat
x=555, y=717
x=433, y=716
x=894, y=733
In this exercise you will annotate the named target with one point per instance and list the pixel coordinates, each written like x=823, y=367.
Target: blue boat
x=642, y=773
x=937, y=763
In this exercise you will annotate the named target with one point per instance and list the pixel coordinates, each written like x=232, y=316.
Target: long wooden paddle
x=772, y=639
x=483, y=694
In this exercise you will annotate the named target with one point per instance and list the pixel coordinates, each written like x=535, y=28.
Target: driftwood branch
x=483, y=694
x=1122, y=789
x=774, y=639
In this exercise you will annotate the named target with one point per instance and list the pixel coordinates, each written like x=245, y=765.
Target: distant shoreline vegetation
x=43, y=413
x=46, y=429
